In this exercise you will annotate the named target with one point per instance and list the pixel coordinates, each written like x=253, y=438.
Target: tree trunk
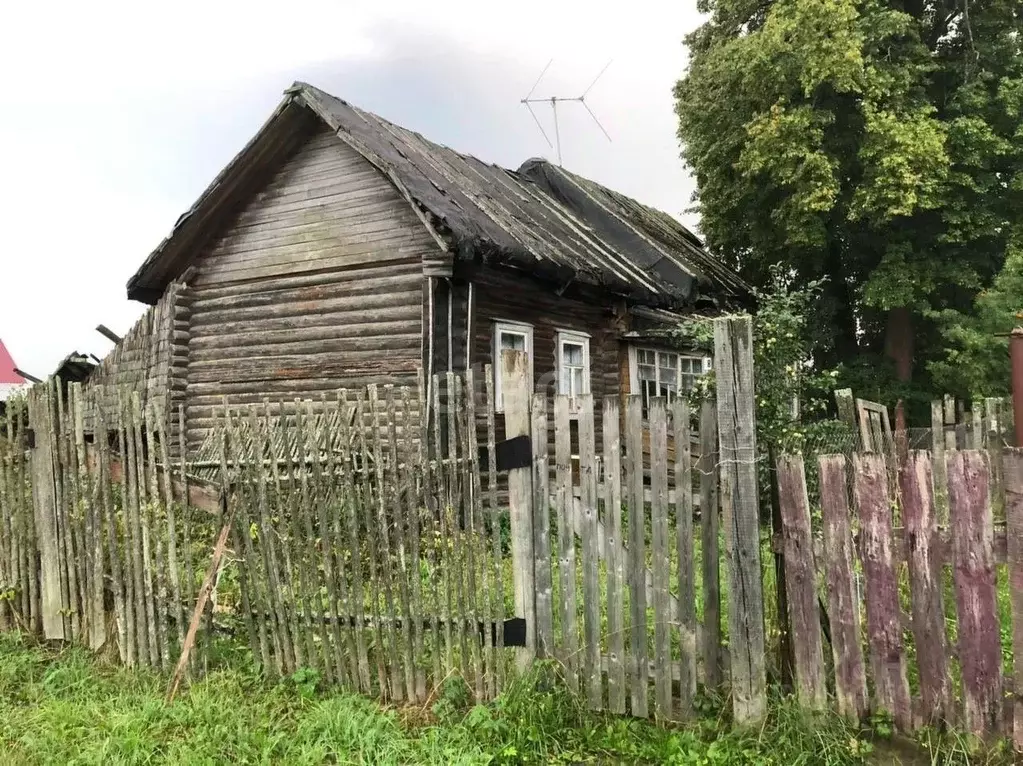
x=898, y=342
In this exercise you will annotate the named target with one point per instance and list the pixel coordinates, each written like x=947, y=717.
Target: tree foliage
x=791, y=392
x=874, y=143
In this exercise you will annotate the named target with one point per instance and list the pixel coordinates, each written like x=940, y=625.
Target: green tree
x=876, y=144
x=977, y=347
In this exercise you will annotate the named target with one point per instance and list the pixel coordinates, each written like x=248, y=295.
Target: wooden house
x=338, y=249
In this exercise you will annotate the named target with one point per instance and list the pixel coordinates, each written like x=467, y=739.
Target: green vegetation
x=64, y=707
x=876, y=145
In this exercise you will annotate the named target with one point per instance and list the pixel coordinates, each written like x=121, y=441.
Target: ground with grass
x=66, y=707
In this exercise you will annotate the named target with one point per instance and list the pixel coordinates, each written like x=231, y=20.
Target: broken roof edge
x=150, y=279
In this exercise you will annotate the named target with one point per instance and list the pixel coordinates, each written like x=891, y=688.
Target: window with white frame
x=510, y=336
x=665, y=373
x=573, y=364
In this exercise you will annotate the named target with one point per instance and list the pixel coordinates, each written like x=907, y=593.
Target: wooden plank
x=297, y=494
x=939, y=476
x=93, y=528
x=144, y=637
x=800, y=582
x=884, y=621
x=398, y=475
x=566, y=540
x=710, y=534
x=278, y=507
x=497, y=582
x=614, y=555
x=733, y=354
x=1012, y=475
x=366, y=507
x=253, y=608
x=973, y=571
x=659, y=556
x=926, y=585
x=433, y=483
x=846, y=406
x=151, y=515
x=134, y=611
x=354, y=545
x=688, y=650
x=177, y=610
x=269, y=534
x=469, y=446
x=68, y=589
x=443, y=475
x=189, y=590
x=326, y=521
x=541, y=531
x=336, y=442
x=453, y=538
x=636, y=556
x=200, y=605
x=843, y=604
x=516, y=387
x=590, y=545
x=413, y=505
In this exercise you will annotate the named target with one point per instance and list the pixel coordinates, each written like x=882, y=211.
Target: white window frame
x=634, y=383
x=577, y=338
x=516, y=328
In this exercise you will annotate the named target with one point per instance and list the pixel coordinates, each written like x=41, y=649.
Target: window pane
x=572, y=354
x=647, y=372
x=513, y=341
x=669, y=376
x=576, y=381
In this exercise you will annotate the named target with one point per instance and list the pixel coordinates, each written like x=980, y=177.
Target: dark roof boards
x=541, y=218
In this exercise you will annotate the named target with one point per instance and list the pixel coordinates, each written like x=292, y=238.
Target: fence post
x=515, y=388
x=1016, y=360
x=846, y=406
x=44, y=499
x=733, y=364
x=710, y=524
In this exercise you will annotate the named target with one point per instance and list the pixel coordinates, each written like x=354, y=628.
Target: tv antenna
x=529, y=100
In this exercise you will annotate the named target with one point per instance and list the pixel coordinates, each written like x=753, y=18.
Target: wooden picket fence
x=373, y=538
x=97, y=542
x=925, y=616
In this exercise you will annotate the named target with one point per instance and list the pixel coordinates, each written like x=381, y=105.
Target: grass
x=63, y=706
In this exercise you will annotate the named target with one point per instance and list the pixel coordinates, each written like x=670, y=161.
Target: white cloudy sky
x=115, y=115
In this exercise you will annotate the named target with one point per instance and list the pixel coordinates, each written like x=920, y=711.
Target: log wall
x=315, y=285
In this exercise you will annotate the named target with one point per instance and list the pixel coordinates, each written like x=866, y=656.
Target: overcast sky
x=115, y=116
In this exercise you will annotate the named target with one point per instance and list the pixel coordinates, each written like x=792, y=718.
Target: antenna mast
x=554, y=101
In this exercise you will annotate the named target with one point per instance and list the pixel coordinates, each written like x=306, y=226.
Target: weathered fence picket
x=800, y=580
x=884, y=628
x=926, y=584
x=975, y=586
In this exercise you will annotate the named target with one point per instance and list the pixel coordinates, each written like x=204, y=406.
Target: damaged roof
x=540, y=218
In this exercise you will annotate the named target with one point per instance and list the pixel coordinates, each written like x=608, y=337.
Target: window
x=510, y=336
x=664, y=373
x=573, y=364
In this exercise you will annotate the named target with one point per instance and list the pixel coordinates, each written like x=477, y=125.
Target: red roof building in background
x=10, y=380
